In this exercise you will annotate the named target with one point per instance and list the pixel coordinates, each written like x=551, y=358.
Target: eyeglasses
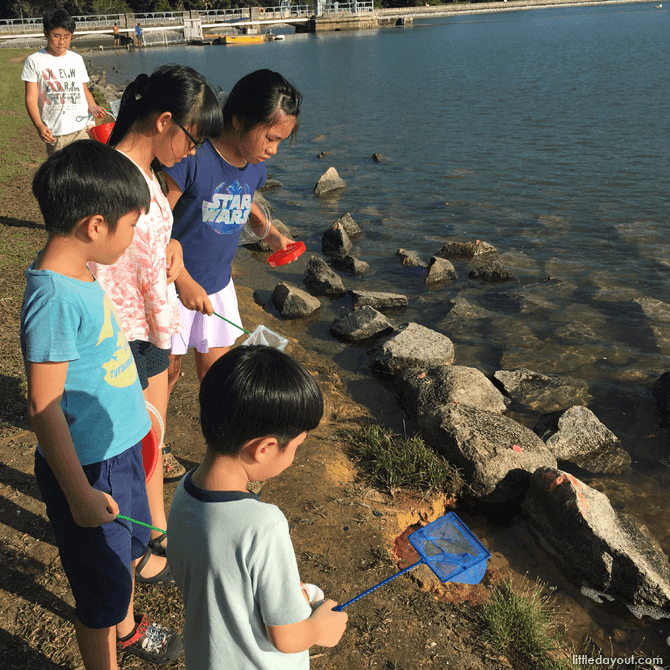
x=196, y=143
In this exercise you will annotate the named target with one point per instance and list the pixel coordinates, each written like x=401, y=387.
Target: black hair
x=260, y=98
x=58, y=18
x=172, y=88
x=86, y=178
x=256, y=391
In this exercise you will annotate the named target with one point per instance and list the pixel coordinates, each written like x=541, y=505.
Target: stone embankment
x=461, y=414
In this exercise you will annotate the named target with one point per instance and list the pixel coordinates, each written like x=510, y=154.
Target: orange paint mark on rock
x=561, y=479
x=582, y=502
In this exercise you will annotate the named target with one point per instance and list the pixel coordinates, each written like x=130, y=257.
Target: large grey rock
x=361, y=324
x=379, y=300
x=577, y=436
x=465, y=249
x=421, y=390
x=540, y=391
x=496, y=454
x=350, y=226
x=493, y=271
x=350, y=264
x=320, y=278
x=410, y=259
x=292, y=302
x=329, y=181
x=412, y=346
x=603, y=549
x=335, y=241
x=439, y=269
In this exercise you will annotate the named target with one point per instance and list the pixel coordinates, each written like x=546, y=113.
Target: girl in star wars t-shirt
x=211, y=194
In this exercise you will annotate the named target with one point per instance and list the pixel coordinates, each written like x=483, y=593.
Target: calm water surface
x=544, y=133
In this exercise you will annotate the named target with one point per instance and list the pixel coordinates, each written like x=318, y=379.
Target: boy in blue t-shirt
x=85, y=401
x=231, y=554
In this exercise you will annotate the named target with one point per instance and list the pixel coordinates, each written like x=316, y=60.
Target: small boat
x=659, y=6
x=244, y=39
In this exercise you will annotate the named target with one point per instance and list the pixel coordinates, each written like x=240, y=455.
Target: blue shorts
x=97, y=561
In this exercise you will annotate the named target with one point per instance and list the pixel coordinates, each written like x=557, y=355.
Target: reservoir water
x=543, y=132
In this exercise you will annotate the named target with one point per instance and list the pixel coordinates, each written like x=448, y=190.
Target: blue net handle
x=339, y=608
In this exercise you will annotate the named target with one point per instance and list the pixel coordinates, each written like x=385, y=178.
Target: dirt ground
x=345, y=533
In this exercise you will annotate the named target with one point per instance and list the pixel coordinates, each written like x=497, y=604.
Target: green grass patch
x=16, y=159
x=395, y=462
x=522, y=624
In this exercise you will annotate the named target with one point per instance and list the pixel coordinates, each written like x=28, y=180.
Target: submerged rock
x=292, y=302
x=412, y=346
x=537, y=390
x=421, y=390
x=465, y=249
x=461, y=308
x=575, y=435
x=496, y=454
x=271, y=184
x=491, y=272
x=410, y=259
x=379, y=300
x=603, y=549
x=321, y=279
x=329, y=181
x=361, y=324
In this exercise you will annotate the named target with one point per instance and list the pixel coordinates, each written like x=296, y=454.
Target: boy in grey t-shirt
x=230, y=554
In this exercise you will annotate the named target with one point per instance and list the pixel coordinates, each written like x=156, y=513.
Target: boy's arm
x=324, y=628
x=32, y=95
x=93, y=107
x=46, y=382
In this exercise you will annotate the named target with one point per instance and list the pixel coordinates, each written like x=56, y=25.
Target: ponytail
x=177, y=89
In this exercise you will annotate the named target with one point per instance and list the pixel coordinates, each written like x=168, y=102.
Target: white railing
x=216, y=15
x=161, y=18
x=353, y=7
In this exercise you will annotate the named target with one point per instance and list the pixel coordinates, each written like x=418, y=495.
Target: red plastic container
x=101, y=132
x=149, y=453
x=287, y=255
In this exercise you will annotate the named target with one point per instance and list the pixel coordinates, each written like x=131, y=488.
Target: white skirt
x=206, y=332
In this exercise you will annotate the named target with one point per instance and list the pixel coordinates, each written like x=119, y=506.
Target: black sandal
x=164, y=577
x=156, y=545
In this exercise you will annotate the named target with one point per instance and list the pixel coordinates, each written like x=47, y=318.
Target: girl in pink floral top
x=163, y=118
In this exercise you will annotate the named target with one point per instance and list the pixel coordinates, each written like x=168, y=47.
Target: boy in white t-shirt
x=57, y=97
